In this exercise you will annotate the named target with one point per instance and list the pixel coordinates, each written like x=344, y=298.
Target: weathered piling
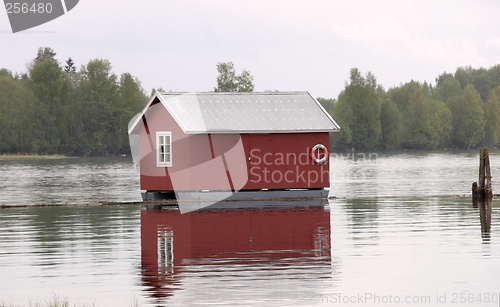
x=482, y=190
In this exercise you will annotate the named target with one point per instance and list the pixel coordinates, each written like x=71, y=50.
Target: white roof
x=222, y=112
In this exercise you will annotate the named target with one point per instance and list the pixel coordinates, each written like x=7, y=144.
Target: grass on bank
x=62, y=302
x=55, y=302
x=30, y=157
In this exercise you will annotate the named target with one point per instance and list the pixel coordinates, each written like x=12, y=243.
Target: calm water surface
x=401, y=233
x=72, y=180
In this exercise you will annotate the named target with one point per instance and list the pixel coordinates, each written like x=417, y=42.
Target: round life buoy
x=315, y=153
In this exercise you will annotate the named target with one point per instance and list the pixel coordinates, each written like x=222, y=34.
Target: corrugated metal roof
x=268, y=112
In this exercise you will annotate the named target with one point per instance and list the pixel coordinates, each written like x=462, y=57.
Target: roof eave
x=179, y=122
x=144, y=110
x=326, y=113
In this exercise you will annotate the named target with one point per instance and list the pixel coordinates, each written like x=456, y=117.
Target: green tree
x=468, y=118
x=228, y=81
x=45, y=53
x=343, y=114
x=244, y=82
x=427, y=122
x=440, y=123
x=401, y=95
x=419, y=130
x=360, y=100
x=132, y=99
x=447, y=87
x=405, y=97
x=326, y=103
x=463, y=75
x=391, y=124
x=96, y=94
x=154, y=90
x=52, y=88
x=16, y=116
x=494, y=76
x=5, y=73
x=482, y=83
x=70, y=69
x=492, y=117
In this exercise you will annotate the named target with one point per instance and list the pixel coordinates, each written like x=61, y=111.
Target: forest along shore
x=55, y=108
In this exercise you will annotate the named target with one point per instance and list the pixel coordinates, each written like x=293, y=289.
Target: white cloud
x=286, y=44
x=390, y=37
x=494, y=42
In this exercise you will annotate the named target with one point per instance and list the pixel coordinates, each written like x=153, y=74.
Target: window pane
x=164, y=149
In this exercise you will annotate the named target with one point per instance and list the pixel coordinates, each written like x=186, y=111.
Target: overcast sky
x=286, y=45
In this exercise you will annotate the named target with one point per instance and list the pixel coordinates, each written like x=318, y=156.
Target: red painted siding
x=283, y=161
x=230, y=162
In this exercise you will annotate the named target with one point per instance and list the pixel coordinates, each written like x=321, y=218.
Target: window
x=164, y=149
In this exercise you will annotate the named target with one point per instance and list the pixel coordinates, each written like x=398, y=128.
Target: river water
x=402, y=231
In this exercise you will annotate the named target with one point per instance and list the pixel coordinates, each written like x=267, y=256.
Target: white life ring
x=315, y=150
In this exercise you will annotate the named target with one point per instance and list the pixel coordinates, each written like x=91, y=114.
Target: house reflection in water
x=216, y=250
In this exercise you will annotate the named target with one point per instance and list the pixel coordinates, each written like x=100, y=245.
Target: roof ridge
x=236, y=93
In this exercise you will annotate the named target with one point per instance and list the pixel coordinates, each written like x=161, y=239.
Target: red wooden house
x=248, y=143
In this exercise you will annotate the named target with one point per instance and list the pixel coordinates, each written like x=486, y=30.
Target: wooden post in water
x=482, y=190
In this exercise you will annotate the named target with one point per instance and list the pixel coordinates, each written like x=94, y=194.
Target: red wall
x=230, y=162
x=283, y=161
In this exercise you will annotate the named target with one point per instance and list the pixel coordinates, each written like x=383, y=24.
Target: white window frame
x=167, y=151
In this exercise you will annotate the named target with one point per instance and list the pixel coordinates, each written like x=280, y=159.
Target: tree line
x=59, y=109
x=461, y=111
x=56, y=109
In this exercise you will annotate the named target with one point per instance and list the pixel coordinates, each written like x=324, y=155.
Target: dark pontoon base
x=237, y=196
x=185, y=207
x=157, y=195
x=196, y=200
x=193, y=200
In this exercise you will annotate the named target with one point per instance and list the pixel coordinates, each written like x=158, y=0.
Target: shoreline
x=175, y=203
x=30, y=157
x=54, y=205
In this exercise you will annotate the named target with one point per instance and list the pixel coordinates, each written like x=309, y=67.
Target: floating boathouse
x=249, y=143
